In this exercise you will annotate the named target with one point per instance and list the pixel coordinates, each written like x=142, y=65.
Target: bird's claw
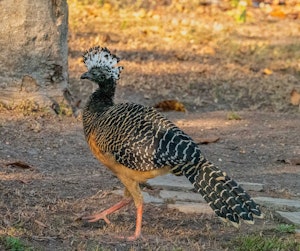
x=96, y=217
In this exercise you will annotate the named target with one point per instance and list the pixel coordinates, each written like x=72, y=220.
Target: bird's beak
x=86, y=75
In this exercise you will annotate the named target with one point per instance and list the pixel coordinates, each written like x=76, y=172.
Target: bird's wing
x=142, y=139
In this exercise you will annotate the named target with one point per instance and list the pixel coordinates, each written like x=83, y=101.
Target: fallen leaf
x=295, y=97
x=277, y=13
x=19, y=164
x=91, y=11
x=170, y=105
x=267, y=71
x=208, y=50
x=205, y=141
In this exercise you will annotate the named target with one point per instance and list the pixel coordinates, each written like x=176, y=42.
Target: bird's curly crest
x=103, y=59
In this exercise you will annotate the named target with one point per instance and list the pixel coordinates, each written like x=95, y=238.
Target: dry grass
x=179, y=50
x=197, y=54
x=41, y=205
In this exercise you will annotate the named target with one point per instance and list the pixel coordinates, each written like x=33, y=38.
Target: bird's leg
x=138, y=226
x=133, y=190
x=102, y=215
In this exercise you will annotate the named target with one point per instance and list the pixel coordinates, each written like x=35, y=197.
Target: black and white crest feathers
x=103, y=59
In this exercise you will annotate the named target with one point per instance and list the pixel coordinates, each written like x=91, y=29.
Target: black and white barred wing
x=140, y=138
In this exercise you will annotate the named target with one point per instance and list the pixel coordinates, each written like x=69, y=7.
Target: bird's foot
x=96, y=217
x=102, y=215
x=137, y=234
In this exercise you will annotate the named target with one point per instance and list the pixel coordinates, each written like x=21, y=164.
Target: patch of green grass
x=124, y=25
x=233, y=116
x=263, y=243
x=27, y=107
x=286, y=228
x=64, y=109
x=14, y=244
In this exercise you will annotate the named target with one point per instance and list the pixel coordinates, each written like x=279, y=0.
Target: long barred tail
x=228, y=199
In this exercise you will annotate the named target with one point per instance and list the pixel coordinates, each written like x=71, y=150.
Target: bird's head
x=101, y=66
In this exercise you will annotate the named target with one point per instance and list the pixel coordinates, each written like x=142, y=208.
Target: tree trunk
x=34, y=51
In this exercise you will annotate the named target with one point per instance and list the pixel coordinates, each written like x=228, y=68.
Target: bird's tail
x=228, y=199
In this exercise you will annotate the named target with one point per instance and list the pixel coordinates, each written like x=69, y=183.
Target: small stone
x=181, y=196
x=151, y=199
x=277, y=203
x=188, y=208
x=290, y=217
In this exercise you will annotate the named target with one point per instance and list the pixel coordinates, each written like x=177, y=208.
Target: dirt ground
x=42, y=204
x=49, y=178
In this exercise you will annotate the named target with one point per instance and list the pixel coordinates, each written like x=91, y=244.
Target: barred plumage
x=138, y=143
x=140, y=138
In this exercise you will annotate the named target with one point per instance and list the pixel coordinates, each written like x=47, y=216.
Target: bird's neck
x=98, y=103
x=101, y=99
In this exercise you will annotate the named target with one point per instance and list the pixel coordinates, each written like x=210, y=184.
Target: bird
x=138, y=143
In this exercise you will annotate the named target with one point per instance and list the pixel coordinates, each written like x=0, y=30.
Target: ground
x=235, y=81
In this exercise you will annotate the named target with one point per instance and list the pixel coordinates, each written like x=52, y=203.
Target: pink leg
x=102, y=215
x=138, y=227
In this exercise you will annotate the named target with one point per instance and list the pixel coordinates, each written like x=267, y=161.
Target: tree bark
x=34, y=51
